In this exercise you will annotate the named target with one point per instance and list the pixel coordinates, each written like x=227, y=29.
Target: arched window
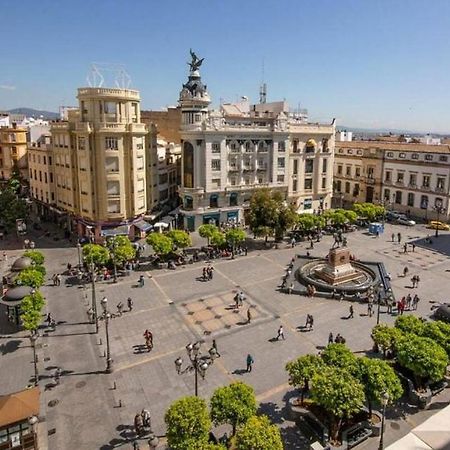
x=424, y=201
x=213, y=201
x=188, y=165
x=310, y=146
x=233, y=199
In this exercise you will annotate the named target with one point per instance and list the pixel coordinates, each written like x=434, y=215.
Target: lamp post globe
x=153, y=442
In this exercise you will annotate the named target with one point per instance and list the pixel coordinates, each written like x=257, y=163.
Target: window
x=398, y=197
x=214, y=201
x=281, y=163
x=309, y=166
x=188, y=203
x=402, y=155
x=52, y=196
x=426, y=181
x=387, y=194
x=281, y=146
x=294, y=185
x=338, y=186
x=348, y=170
x=324, y=182
x=438, y=203
x=45, y=177
x=357, y=172
x=324, y=145
x=415, y=156
x=233, y=181
x=390, y=154
x=233, y=199
x=350, y=151
x=443, y=158
x=356, y=190
x=339, y=169
x=262, y=147
x=111, y=143
x=114, y=206
x=400, y=177
x=411, y=199
x=324, y=165
x=280, y=178
x=412, y=179
x=40, y=176
x=424, y=202
x=110, y=107
x=215, y=183
x=295, y=146
x=81, y=143
x=45, y=160
x=440, y=184
x=347, y=187
x=370, y=173
x=215, y=147
x=308, y=183
x=163, y=178
x=51, y=177
x=234, y=147
x=429, y=157
x=140, y=185
x=295, y=171
x=215, y=164
x=49, y=160
x=307, y=204
x=388, y=176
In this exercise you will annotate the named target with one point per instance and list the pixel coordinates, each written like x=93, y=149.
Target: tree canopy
x=339, y=355
x=31, y=311
x=207, y=231
x=121, y=248
x=30, y=277
x=386, y=337
x=235, y=236
x=258, y=433
x=233, y=404
x=12, y=207
x=95, y=253
x=218, y=239
x=368, y=210
x=36, y=256
x=409, y=324
x=161, y=244
x=188, y=424
x=180, y=238
x=309, y=222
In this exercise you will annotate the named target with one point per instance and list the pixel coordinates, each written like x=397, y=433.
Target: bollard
x=120, y=403
x=100, y=342
x=114, y=386
x=104, y=353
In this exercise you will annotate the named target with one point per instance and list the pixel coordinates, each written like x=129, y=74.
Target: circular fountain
x=337, y=272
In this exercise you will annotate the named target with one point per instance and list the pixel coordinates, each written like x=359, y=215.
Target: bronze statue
x=195, y=61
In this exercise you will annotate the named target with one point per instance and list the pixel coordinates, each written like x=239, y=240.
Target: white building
x=228, y=154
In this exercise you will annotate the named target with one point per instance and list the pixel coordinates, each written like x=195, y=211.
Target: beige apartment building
x=408, y=177
x=13, y=151
x=98, y=160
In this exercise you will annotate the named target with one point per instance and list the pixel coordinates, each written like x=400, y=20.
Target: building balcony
x=59, y=126
x=440, y=190
x=425, y=187
x=105, y=127
x=400, y=183
x=412, y=185
x=83, y=127
x=128, y=94
x=115, y=215
x=137, y=128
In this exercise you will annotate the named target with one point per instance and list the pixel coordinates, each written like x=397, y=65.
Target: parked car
x=403, y=220
x=392, y=215
x=434, y=224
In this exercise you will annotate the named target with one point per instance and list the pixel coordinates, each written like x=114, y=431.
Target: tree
x=95, y=253
x=440, y=333
x=161, y=244
x=258, y=433
x=36, y=256
x=206, y=231
x=338, y=355
x=233, y=404
x=386, y=338
x=188, y=424
x=235, y=236
x=337, y=217
x=423, y=357
x=368, y=210
x=218, y=239
x=30, y=277
x=121, y=249
x=12, y=207
x=339, y=393
x=302, y=370
x=410, y=324
x=306, y=222
x=269, y=214
x=180, y=238
x=31, y=311
x=351, y=216
x=378, y=377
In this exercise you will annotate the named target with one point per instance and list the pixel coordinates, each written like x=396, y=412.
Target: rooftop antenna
x=263, y=87
x=115, y=72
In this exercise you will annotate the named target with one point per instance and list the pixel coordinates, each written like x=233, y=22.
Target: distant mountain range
x=379, y=131
x=36, y=113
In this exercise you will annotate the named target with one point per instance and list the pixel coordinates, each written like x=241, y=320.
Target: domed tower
x=194, y=98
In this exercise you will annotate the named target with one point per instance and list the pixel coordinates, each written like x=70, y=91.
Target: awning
x=19, y=406
x=143, y=225
x=121, y=230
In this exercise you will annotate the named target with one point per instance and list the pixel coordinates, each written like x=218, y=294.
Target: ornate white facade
x=228, y=154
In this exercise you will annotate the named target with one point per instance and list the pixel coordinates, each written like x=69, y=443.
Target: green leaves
x=180, y=238
x=302, y=369
x=121, y=249
x=30, y=277
x=386, y=337
x=235, y=236
x=368, y=210
x=409, y=324
x=95, y=253
x=217, y=239
x=258, y=433
x=188, y=424
x=31, y=311
x=338, y=355
x=207, y=231
x=233, y=404
x=36, y=256
x=12, y=207
x=161, y=244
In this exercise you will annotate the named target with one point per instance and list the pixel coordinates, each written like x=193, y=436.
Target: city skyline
x=374, y=65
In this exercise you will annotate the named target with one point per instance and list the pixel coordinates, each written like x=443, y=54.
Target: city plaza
x=92, y=409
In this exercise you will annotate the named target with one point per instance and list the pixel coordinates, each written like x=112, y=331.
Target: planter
x=421, y=399
x=375, y=426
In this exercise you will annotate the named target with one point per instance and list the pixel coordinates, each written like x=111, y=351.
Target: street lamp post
x=199, y=363
x=380, y=287
x=384, y=401
x=33, y=338
x=113, y=245
x=439, y=210
x=94, y=300
x=107, y=316
x=79, y=255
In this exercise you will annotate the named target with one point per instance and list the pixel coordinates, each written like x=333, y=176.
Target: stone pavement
x=86, y=412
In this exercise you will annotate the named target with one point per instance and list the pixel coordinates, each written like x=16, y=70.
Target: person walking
x=249, y=315
x=148, y=339
x=120, y=308
x=405, y=271
x=417, y=281
x=415, y=302
x=414, y=247
x=399, y=237
x=205, y=274
x=330, y=338
x=393, y=237
x=311, y=322
x=370, y=309
x=236, y=300
x=241, y=298
x=280, y=333
x=290, y=288
x=405, y=247
x=351, y=312
x=130, y=304
x=250, y=362
x=146, y=418
x=408, y=301
x=141, y=281
x=138, y=424
x=214, y=346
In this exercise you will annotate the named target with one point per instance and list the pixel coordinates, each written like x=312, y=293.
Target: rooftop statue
x=195, y=61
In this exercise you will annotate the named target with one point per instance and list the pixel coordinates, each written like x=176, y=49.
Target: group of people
x=142, y=422
x=207, y=273
x=56, y=278
x=120, y=306
x=309, y=322
x=239, y=298
x=407, y=303
x=337, y=340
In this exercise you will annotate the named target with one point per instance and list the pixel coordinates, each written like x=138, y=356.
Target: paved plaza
x=93, y=410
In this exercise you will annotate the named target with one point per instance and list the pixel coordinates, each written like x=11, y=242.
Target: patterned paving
x=421, y=257
x=217, y=314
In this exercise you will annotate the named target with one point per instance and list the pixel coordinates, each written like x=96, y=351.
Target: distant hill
x=385, y=131
x=36, y=113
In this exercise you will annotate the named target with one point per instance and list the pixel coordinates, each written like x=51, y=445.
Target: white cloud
x=7, y=87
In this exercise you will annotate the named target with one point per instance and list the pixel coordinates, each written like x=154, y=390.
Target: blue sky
x=369, y=63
